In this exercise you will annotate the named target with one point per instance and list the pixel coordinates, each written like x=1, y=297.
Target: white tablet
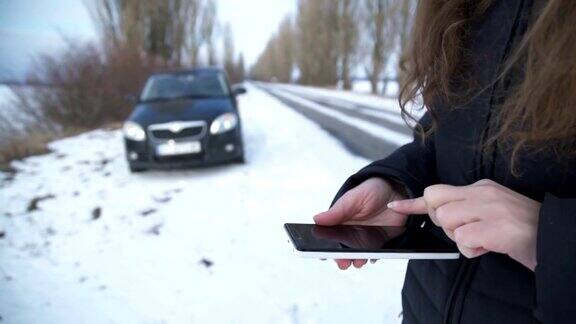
x=369, y=242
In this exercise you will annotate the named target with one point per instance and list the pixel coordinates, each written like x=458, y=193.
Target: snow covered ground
x=386, y=104
x=363, y=86
x=5, y=94
x=371, y=127
x=87, y=242
x=361, y=98
x=9, y=112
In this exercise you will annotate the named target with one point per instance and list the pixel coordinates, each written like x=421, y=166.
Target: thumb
x=409, y=206
x=339, y=213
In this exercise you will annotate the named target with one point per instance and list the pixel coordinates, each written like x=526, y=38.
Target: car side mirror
x=131, y=98
x=238, y=89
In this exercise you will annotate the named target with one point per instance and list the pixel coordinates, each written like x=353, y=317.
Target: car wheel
x=241, y=159
x=134, y=169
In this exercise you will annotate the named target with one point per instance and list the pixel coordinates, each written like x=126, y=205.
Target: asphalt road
x=359, y=141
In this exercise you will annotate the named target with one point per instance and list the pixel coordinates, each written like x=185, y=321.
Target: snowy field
x=87, y=242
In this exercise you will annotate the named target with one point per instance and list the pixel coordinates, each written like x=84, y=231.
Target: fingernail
x=392, y=204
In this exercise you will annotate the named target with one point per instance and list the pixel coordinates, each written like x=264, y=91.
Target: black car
x=185, y=118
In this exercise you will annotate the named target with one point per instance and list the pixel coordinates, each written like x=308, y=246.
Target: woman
x=493, y=164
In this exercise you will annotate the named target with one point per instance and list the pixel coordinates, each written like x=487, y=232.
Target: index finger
x=434, y=197
x=409, y=206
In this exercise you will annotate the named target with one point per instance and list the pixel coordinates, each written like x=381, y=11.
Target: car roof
x=207, y=70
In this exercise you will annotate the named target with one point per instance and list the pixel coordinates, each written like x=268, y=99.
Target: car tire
x=241, y=159
x=134, y=169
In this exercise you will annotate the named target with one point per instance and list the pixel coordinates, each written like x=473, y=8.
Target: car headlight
x=133, y=131
x=223, y=123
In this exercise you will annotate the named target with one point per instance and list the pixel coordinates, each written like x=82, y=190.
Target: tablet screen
x=373, y=239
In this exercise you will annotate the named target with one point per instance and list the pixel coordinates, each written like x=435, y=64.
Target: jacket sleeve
x=556, y=256
x=412, y=167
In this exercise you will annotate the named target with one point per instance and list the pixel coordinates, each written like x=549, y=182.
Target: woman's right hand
x=366, y=204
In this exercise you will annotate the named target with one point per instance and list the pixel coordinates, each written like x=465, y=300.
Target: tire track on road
x=357, y=140
x=386, y=119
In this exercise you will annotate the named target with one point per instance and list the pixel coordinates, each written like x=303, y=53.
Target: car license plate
x=174, y=148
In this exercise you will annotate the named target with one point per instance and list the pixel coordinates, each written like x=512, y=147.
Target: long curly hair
x=538, y=111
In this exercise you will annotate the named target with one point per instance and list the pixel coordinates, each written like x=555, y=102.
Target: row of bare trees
x=335, y=40
x=177, y=32
x=170, y=30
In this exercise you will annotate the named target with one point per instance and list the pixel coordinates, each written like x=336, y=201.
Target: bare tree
x=186, y=23
x=348, y=31
x=120, y=21
x=277, y=63
x=228, y=55
x=405, y=22
x=266, y=67
x=158, y=28
x=380, y=20
x=317, y=57
x=208, y=30
x=240, y=68
x=194, y=36
x=283, y=48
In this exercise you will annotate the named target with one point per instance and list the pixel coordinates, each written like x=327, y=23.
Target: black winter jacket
x=492, y=288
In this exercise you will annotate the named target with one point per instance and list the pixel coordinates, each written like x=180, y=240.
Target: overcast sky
x=31, y=26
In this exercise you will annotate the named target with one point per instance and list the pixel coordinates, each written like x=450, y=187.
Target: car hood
x=206, y=109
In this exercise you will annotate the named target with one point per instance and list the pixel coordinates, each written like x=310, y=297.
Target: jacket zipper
x=467, y=268
x=450, y=305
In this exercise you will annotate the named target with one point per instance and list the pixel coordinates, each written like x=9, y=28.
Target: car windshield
x=176, y=86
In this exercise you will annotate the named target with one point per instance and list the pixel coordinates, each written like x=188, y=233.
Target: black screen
x=357, y=238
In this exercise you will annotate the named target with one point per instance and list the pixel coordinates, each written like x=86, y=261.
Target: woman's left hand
x=482, y=217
